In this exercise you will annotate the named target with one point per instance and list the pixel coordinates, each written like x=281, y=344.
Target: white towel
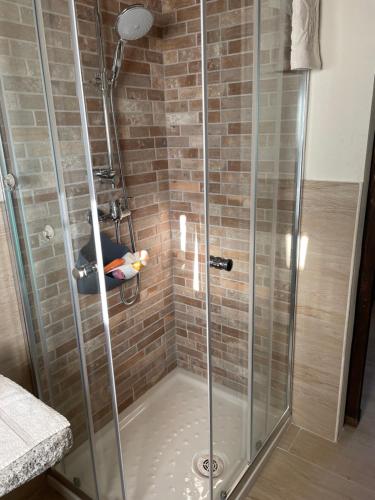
x=305, y=52
x=25, y=421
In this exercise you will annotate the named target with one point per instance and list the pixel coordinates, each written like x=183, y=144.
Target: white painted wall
x=341, y=93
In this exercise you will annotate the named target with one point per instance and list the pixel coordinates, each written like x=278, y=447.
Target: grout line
x=331, y=441
x=294, y=439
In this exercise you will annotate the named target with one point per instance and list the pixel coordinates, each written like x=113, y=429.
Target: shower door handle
x=221, y=263
x=84, y=271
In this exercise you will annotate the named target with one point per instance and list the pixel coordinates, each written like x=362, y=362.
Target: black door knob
x=220, y=263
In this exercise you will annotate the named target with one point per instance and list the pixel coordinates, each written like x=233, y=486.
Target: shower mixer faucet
x=116, y=213
x=105, y=174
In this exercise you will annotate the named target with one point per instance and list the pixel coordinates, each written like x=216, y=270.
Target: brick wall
x=230, y=75
x=158, y=98
x=142, y=336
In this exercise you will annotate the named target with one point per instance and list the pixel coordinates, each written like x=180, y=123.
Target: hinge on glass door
x=10, y=182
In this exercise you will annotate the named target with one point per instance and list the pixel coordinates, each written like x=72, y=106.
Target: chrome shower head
x=134, y=22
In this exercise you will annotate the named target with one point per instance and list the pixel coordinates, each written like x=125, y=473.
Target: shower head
x=134, y=22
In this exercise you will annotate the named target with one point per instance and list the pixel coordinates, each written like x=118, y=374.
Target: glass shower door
x=277, y=158
x=53, y=209
x=229, y=100
x=254, y=109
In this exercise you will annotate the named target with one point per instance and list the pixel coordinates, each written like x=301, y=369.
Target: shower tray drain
x=202, y=465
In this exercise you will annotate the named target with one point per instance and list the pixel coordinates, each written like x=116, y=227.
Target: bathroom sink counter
x=33, y=437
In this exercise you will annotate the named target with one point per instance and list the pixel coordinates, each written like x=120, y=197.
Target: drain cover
x=203, y=465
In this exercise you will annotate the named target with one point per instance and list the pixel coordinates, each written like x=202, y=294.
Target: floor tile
x=286, y=477
x=351, y=457
x=307, y=467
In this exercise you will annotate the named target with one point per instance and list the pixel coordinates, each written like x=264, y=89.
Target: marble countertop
x=33, y=436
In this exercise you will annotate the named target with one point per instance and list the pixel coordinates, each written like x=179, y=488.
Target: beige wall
x=329, y=222
x=341, y=94
x=335, y=171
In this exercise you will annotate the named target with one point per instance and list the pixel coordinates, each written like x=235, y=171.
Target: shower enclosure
x=186, y=141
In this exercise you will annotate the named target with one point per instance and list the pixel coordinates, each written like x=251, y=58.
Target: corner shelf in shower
x=89, y=284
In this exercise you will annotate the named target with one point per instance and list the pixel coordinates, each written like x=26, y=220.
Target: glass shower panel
x=254, y=105
x=52, y=206
x=230, y=75
x=158, y=348
x=277, y=162
x=34, y=210
x=65, y=32
x=161, y=355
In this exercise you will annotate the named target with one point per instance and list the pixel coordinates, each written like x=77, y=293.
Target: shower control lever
x=84, y=271
x=221, y=263
x=105, y=174
x=117, y=211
